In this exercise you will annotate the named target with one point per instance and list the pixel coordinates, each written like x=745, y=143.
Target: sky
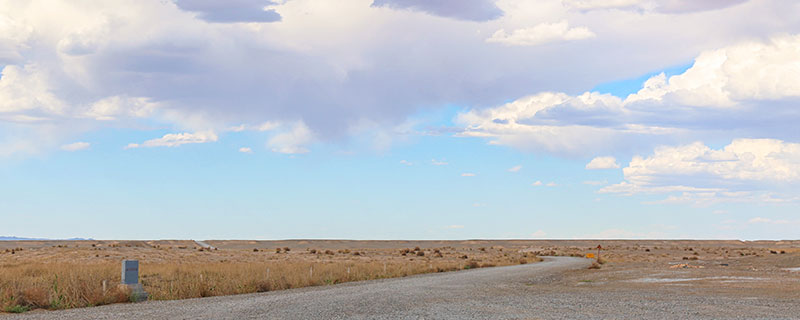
x=400, y=119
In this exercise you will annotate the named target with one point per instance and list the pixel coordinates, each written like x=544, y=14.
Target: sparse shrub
x=416, y=249
x=277, y=250
x=286, y=249
x=313, y=251
x=420, y=253
x=356, y=253
x=263, y=286
x=594, y=265
x=328, y=252
x=254, y=249
x=34, y=297
x=464, y=257
x=523, y=261
x=472, y=265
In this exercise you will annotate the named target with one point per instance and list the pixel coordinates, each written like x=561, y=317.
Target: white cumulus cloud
x=245, y=150
x=602, y=163
x=737, y=88
x=744, y=170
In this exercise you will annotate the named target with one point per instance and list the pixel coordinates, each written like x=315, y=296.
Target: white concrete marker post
x=130, y=278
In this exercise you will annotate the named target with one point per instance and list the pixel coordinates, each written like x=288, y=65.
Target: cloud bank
x=726, y=93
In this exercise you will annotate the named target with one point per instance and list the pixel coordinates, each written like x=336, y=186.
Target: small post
x=598, y=252
x=130, y=278
x=105, y=286
x=311, y=272
x=267, y=273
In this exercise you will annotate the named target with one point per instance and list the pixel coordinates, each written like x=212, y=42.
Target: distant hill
x=12, y=238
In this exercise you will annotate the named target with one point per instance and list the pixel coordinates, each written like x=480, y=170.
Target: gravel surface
x=532, y=291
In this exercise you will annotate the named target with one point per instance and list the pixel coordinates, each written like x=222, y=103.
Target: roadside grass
x=32, y=284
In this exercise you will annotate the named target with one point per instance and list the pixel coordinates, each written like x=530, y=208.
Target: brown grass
x=69, y=277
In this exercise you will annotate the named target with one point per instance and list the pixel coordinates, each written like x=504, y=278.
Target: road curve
x=470, y=294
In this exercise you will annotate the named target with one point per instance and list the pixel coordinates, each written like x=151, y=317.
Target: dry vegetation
x=69, y=274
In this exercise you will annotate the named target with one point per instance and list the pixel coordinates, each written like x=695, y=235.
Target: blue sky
x=489, y=119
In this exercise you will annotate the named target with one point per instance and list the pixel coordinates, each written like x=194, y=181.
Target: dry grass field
x=68, y=274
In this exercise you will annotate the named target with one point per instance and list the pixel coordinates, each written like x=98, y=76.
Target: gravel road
x=532, y=291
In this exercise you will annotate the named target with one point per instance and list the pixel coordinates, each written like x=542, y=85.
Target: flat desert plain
x=37, y=275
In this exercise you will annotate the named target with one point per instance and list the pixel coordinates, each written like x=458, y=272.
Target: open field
x=64, y=274
x=68, y=274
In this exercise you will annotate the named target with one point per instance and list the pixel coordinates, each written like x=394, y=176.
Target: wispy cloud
x=538, y=234
x=541, y=34
x=176, y=139
x=515, y=168
x=292, y=141
x=595, y=182
x=75, y=146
